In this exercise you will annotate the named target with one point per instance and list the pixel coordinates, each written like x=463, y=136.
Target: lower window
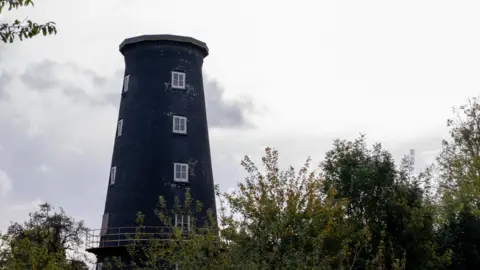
x=182, y=222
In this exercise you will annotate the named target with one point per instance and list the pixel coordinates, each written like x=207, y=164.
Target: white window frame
x=104, y=228
x=120, y=128
x=100, y=266
x=180, y=220
x=178, y=80
x=126, y=83
x=181, y=120
x=181, y=178
x=113, y=175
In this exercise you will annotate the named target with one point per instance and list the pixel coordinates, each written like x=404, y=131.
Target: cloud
x=16, y=211
x=222, y=112
x=83, y=85
x=28, y=206
x=5, y=78
x=60, y=118
x=44, y=168
x=426, y=147
x=5, y=184
x=52, y=123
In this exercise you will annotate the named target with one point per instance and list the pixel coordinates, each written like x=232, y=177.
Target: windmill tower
x=161, y=141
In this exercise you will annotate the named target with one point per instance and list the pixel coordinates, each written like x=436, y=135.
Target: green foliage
x=285, y=219
x=276, y=220
x=459, y=169
x=459, y=161
x=357, y=210
x=390, y=201
x=327, y=218
x=22, y=29
x=43, y=241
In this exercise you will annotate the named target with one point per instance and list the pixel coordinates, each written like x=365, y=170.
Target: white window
x=179, y=124
x=178, y=80
x=113, y=175
x=126, y=82
x=99, y=266
x=180, y=172
x=120, y=128
x=104, y=228
x=182, y=222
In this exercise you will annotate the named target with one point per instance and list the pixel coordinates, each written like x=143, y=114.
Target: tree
x=25, y=28
x=390, y=201
x=48, y=240
x=278, y=219
x=286, y=219
x=358, y=210
x=458, y=168
x=459, y=161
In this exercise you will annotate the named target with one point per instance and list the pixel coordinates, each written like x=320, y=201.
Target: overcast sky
x=292, y=75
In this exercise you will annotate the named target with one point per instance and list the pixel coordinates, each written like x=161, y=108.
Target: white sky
x=315, y=70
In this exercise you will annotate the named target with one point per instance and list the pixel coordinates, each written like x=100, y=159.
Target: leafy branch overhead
x=22, y=29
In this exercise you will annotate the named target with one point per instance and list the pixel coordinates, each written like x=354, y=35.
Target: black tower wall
x=145, y=153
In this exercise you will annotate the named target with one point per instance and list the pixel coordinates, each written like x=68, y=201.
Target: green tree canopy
x=25, y=28
x=459, y=177
x=356, y=211
x=48, y=240
x=278, y=219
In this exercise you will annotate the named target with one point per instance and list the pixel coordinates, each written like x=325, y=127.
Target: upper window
x=180, y=172
x=179, y=124
x=120, y=128
x=178, y=80
x=113, y=175
x=126, y=82
x=182, y=222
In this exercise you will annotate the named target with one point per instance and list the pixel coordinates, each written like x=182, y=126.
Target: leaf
x=23, y=29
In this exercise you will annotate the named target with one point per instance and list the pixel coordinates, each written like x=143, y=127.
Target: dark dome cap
x=181, y=39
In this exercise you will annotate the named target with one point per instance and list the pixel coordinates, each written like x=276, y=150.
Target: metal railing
x=122, y=236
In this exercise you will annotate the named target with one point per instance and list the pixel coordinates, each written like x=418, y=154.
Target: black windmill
x=161, y=143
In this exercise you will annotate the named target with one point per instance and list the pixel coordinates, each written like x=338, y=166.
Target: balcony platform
x=119, y=238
